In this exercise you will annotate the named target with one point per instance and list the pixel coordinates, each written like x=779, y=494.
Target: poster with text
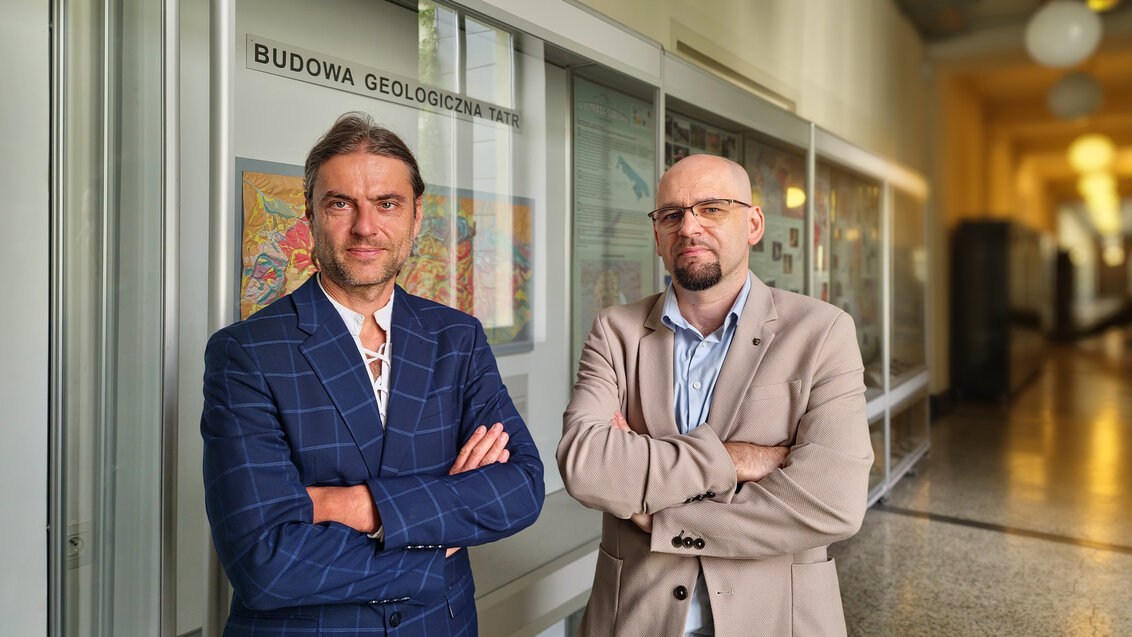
x=614, y=181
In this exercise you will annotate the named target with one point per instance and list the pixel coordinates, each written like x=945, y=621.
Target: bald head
x=702, y=177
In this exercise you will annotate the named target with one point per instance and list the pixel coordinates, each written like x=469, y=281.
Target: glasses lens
x=714, y=212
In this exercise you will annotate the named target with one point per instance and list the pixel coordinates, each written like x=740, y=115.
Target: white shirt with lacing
x=354, y=321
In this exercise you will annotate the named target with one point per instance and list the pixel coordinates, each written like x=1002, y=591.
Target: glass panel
x=880, y=461
x=909, y=428
x=778, y=187
x=112, y=319
x=855, y=264
x=820, y=287
x=685, y=136
x=909, y=280
x=614, y=189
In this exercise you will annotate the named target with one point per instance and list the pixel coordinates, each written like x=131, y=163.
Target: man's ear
x=756, y=225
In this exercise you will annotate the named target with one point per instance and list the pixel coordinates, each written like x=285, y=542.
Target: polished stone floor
x=1018, y=522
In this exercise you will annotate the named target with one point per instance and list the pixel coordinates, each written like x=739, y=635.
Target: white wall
x=24, y=125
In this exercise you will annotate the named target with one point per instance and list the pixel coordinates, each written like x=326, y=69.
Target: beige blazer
x=793, y=376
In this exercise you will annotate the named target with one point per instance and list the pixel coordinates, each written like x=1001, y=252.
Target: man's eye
x=388, y=205
x=710, y=210
x=673, y=215
x=338, y=205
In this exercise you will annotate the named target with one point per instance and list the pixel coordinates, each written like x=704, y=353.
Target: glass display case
x=908, y=430
x=909, y=276
x=855, y=252
x=778, y=187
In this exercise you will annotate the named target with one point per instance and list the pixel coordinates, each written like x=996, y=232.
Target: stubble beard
x=332, y=266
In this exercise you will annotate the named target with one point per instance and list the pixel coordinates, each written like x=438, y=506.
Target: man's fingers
x=465, y=453
x=505, y=456
x=619, y=421
x=483, y=447
x=492, y=455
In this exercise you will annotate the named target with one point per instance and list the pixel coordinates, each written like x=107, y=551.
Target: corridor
x=1019, y=521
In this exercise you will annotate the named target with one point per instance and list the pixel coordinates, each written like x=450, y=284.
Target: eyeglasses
x=711, y=212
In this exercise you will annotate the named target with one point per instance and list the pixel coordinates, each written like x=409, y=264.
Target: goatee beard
x=696, y=279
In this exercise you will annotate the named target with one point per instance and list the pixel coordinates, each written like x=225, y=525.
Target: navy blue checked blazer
x=289, y=404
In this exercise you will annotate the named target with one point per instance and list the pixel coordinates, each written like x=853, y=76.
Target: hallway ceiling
x=979, y=43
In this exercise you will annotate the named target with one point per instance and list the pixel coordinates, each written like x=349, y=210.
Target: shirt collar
x=672, y=318
x=354, y=320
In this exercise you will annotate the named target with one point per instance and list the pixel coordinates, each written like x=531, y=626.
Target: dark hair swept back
x=357, y=131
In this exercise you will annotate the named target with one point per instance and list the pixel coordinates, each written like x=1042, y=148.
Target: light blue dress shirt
x=696, y=361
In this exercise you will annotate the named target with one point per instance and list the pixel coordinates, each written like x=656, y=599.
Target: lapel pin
x=757, y=341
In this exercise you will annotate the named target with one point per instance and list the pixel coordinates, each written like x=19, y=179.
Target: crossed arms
x=746, y=501
x=284, y=545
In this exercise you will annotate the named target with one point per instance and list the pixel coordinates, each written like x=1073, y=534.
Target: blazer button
x=394, y=619
x=688, y=542
x=700, y=544
x=680, y=592
x=677, y=541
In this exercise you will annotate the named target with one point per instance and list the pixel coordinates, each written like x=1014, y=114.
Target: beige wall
x=855, y=67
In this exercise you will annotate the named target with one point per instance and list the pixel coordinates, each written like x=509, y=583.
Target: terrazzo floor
x=1018, y=522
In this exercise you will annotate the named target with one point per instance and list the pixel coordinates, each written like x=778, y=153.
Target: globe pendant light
x=1062, y=33
x=1075, y=95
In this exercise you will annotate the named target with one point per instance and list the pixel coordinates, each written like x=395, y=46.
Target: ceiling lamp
x=1113, y=254
x=1075, y=95
x=1102, y=5
x=1062, y=33
x=1091, y=153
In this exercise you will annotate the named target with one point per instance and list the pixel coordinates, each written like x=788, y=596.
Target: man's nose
x=366, y=220
x=690, y=223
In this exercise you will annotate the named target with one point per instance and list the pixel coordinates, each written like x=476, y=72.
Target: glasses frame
x=692, y=209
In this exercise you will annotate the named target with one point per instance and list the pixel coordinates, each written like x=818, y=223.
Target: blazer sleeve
x=261, y=516
x=477, y=506
x=819, y=496
x=623, y=472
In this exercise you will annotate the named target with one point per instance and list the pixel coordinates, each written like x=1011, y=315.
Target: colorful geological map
x=276, y=243
x=474, y=256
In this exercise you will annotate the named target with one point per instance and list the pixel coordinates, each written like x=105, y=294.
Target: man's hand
x=620, y=422
x=486, y=446
x=754, y=462
x=643, y=521
x=352, y=506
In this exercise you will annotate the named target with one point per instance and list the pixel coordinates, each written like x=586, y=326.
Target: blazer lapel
x=334, y=357
x=413, y=359
x=654, y=375
x=752, y=338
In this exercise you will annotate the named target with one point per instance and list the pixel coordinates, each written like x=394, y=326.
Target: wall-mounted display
x=685, y=136
x=778, y=187
x=275, y=242
x=614, y=181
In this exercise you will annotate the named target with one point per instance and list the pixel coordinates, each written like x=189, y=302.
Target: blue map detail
x=640, y=188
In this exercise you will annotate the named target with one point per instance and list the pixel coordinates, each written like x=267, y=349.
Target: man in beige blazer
x=725, y=464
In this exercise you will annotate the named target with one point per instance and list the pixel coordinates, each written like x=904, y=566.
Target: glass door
x=109, y=320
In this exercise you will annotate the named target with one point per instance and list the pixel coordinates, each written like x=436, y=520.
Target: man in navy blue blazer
x=357, y=437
